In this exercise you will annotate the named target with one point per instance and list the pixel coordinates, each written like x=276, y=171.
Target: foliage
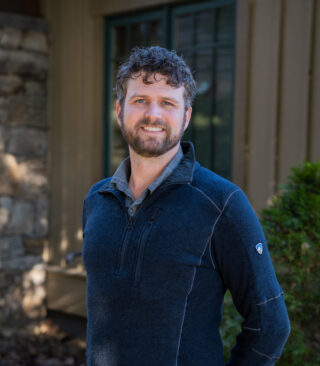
x=292, y=228
x=230, y=325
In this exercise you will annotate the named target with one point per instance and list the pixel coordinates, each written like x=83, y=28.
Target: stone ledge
x=23, y=22
x=66, y=291
x=74, y=272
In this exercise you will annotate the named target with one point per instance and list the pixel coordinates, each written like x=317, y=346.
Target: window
x=203, y=33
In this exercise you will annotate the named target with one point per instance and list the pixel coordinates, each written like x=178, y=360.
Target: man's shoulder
x=216, y=187
x=98, y=185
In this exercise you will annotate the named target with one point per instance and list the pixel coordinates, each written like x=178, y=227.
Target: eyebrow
x=147, y=96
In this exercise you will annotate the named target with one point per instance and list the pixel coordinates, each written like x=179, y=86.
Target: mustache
x=156, y=123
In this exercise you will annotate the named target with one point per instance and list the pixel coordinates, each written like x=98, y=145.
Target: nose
x=153, y=112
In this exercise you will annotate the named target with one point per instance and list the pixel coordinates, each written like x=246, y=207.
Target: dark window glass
x=209, y=50
x=204, y=27
x=154, y=34
x=119, y=41
x=225, y=24
x=223, y=110
x=183, y=30
x=201, y=121
x=138, y=34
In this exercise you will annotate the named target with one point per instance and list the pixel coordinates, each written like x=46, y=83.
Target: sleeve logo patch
x=259, y=248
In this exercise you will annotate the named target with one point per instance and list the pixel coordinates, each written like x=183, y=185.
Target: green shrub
x=230, y=325
x=292, y=228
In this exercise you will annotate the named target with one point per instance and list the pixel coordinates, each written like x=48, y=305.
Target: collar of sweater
x=182, y=174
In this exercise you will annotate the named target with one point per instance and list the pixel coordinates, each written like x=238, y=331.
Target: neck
x=145, y=170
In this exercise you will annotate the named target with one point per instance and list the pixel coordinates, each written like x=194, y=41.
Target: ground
x=42, y=345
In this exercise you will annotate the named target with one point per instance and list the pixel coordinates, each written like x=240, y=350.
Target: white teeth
x=153, y=129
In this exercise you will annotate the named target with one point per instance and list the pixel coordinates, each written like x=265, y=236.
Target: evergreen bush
x=292, y=228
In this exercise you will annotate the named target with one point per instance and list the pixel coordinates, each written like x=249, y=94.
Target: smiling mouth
x=153, y=129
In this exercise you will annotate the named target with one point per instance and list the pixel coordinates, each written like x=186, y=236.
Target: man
x=164, y=238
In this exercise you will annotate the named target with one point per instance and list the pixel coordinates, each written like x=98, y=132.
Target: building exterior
x=257, y=63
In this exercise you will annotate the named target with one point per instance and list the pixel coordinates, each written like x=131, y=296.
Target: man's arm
x=243, y=260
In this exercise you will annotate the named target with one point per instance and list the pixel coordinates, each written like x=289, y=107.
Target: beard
x=151, y=146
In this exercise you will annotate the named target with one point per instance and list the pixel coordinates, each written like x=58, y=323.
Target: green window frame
x=208, y=45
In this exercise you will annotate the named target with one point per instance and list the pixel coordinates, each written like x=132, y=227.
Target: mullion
x=145, y=28
x=233, y=80
x=205, y=5
x=124, y=21
x=213, y=104
x=209, y=44
x=193, y=57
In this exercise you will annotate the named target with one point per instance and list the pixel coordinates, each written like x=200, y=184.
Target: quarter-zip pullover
x=156, y=280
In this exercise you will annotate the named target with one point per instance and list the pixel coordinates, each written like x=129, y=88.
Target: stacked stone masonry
x=23, y=173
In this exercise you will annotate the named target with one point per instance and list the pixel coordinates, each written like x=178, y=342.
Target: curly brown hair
x=153, y=60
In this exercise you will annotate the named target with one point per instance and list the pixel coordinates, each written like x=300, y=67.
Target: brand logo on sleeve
x=259, y=248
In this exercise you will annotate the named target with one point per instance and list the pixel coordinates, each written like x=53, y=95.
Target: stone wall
x=23, y=171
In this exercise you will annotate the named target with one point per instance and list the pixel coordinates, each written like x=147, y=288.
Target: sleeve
x=243, y=260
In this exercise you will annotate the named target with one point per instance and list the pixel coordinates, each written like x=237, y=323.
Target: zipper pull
x=129, y=226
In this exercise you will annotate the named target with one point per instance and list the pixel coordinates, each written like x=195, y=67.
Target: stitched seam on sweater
x=207, y=197
x=263, y=354
x=214, y=225
x=224, y=206
x=185, y=309
x=272, y=298
x=210, y=252
x=254, y=329
x=245, y=252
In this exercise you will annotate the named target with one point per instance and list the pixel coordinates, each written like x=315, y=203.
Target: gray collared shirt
x=120, y=181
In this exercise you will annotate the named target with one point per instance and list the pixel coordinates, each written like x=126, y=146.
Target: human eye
x=167, y=103
x=140, y=101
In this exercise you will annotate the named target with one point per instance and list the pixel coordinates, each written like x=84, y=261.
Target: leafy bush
x=292, y=228
x=230, y=325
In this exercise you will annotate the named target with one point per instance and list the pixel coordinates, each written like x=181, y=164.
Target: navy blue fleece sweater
x=156, y=281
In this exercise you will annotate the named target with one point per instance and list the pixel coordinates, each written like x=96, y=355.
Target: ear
x=118, y=111
x=188, y=117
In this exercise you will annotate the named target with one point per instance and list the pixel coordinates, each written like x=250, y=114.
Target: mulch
x=42, y=345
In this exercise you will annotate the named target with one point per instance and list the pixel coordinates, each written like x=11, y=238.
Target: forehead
x=158, y=87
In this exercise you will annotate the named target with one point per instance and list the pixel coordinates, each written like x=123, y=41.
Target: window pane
x=183, y=31
x=224, y=24
x=137, y=34
x=204, y=27
x=211, y=124
x=203, y=106
x=119, y=36
x=154, y=34
x=223, y=110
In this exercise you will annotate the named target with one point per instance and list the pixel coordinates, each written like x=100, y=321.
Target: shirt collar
x=182, y=174
x=174, y=162
x=120, y=178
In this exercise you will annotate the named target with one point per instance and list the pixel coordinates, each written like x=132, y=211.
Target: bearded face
x=151, y=139
x=152, y=116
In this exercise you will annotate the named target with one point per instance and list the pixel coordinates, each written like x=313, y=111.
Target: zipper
x=143, y=241
x=137, y=273
x=123, y=248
